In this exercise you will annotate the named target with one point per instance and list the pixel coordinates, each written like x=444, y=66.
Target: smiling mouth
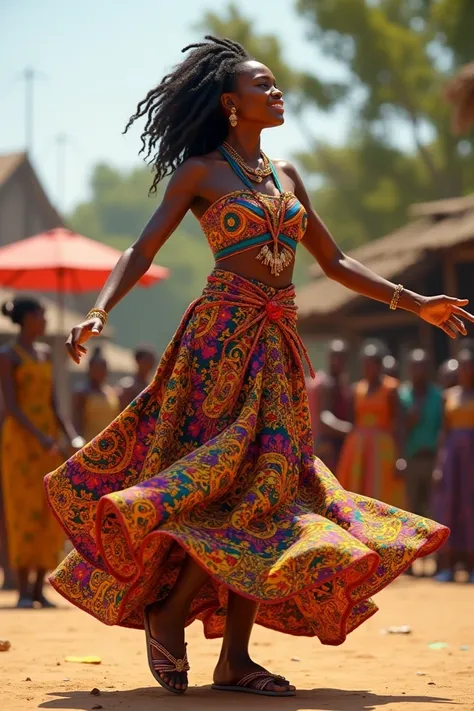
x=278, y=106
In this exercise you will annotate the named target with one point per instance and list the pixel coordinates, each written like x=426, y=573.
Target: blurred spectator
x=29, y=450
x=459, y=92
x=391, y=367
x=9, y=580
x=454, y=476
x=335, y=406
x=448, y=373
x=96, y=403
x=422, y=401
x=369, y=462
x=131, y=386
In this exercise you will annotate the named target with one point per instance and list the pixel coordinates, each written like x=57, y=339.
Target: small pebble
x=420, y=673
x=66, y=678
x=4, y=645
x=295, y=659
x=27, y=678
x=97, y=706
x=431, y=683
x=464, y=648
x=95, y=692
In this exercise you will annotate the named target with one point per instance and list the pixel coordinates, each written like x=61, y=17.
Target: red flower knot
x=274, y=310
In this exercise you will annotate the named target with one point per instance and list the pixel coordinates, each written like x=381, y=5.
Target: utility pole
x=62, y=140
x=29, y=76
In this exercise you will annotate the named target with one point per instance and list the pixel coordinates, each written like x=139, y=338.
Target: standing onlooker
x=422, y=401
x=335, y=406
x=9, y=582
x=96, y=403
x=131, y=386
x=29, y=450
x=368, y=463
x=391, y=367
x=454, y=487
x=448, y=373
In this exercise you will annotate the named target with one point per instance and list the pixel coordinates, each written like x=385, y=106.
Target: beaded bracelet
x=396, y=297
x=98, y=313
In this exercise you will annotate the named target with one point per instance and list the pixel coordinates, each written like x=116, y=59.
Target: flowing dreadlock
x=184, y=115
x=460, y=93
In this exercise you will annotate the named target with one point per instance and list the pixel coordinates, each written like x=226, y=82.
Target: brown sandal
x=264, y=678
x=169, y=665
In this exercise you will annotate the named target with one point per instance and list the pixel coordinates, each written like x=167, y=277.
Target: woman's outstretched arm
x=137, y=259
x=446, y=312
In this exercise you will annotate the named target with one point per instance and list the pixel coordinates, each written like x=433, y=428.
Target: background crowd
x=409, y=443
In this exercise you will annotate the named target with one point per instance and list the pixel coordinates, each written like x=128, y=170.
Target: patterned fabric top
x=375, y=409
x=236, y=222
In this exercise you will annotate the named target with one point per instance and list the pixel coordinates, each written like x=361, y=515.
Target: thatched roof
x=439, y=225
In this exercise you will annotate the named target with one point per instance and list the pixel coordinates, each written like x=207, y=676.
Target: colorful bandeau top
x=245, y=219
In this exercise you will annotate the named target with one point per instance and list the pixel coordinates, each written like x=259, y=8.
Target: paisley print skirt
x=214, y=460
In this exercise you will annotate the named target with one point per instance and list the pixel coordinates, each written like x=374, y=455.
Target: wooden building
x=432, y=254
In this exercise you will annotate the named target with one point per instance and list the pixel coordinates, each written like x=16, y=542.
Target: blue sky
x=96, y=58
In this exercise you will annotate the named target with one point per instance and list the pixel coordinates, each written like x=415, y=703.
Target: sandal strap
x=262, y=678
x=173, y=664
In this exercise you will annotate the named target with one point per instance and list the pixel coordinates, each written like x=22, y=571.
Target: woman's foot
x=168, y=630
x=229, y=671
x=445, y=576
x=43, y=601
x=25, y=603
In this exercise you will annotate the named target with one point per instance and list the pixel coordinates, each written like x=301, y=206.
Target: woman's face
x=34, y=323
x=98, y=371
x=372, y=368
x=256, y=97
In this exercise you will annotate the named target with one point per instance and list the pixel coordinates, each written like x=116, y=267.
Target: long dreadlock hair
x=459, y=92
x=184, y=116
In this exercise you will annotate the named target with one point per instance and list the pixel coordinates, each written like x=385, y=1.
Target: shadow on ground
x=204, y=699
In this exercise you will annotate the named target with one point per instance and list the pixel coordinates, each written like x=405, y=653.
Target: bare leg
x=234, y=661
x=25, y=599
x=38, y=592
x=168, y=619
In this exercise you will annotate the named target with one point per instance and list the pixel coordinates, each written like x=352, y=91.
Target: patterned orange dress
x=367, y=463
x=214, y=459
x=35, y=539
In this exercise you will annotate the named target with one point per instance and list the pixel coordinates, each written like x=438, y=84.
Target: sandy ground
x=370, y=671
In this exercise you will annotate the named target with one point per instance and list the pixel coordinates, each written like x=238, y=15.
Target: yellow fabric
x=100, y=408
x=459, y=411
x=34, y=537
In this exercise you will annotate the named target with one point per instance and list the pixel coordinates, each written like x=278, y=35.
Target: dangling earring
x=233, y=117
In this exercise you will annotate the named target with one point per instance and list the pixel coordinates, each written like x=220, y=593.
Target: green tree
x=395, y=56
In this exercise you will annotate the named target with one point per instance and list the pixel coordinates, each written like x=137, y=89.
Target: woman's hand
x=447, y=313
x=79, y=335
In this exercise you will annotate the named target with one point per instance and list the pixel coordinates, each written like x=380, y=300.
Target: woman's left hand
x=447, y=313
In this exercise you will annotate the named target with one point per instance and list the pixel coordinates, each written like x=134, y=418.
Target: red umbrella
x=62, y=261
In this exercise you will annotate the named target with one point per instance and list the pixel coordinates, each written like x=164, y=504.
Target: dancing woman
x=203, y=498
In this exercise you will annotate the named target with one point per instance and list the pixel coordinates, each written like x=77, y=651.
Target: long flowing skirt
x=367, y=466
x=214, y=460
x=453, y=496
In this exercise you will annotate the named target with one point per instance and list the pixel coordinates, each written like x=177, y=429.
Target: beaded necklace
x=255, y=174
x=274, y=258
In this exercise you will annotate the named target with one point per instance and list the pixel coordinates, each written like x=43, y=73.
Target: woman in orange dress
x=368, y=463
x=29, y=448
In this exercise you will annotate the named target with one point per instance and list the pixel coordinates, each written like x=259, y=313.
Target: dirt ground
x=371, y=670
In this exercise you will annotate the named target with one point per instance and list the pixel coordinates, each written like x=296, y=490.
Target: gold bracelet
x=98, y=313
x=396, y=297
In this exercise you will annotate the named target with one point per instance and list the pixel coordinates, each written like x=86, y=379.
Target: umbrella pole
x=62, y=378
